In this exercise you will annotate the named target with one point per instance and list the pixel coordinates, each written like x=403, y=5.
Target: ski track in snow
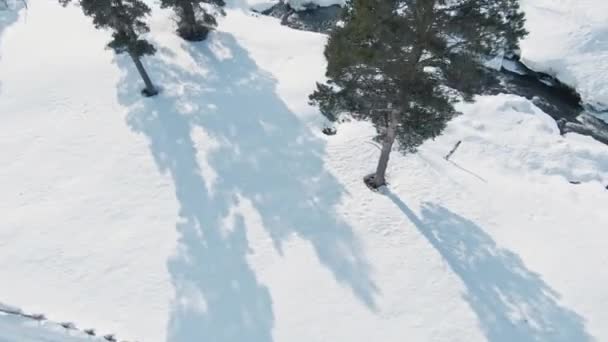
x=217, y=211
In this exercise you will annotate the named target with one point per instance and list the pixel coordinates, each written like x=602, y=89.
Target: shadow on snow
x=511, y=302
x=9, y=13
x=266, y=156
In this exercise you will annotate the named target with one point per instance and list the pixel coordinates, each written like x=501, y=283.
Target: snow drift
x=569, y=39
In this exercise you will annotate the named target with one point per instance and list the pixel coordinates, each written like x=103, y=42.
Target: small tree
x=392, y=61
x=125, y=19
x=194, y=20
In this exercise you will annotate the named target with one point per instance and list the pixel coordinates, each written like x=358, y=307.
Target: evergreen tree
x=195, y=17
x=402, y=64
x=125, y=19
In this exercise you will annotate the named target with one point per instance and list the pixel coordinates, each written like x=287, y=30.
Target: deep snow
x=217, y=211
x=569, y=39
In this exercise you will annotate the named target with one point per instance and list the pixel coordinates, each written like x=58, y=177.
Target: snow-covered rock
x=569, y=39
x=15, y=328
x=297, y=5
x=300, y=5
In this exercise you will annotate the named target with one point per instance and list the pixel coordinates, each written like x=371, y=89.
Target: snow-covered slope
x=16, y=328
x=218, y=212
x=569, y=39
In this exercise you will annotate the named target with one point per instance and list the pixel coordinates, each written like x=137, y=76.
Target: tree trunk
x=189, y=28
x=378, y=179
x=150, y=90
x=189, y=17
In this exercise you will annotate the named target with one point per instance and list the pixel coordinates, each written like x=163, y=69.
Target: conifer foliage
x=195, y=17
x=125, y=18
x=395, y=63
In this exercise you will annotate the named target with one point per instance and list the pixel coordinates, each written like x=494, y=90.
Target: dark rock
x=588, y=125
x=546, y=92
x=553, y=97
x=313, y=18
x=561, y=125
x=329, y=131
x=68, y=325
x=110, y=337
x=36, y=317
x=598, y=127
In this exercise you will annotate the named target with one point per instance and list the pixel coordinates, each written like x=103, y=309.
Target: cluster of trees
x=402, y=64
x=126, y=20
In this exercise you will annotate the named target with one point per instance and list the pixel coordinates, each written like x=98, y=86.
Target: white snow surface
x=217, y=211
x=569, y=39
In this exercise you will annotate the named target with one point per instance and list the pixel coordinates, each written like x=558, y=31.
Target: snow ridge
x=34, y=327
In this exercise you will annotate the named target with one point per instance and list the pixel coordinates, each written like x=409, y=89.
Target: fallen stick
x=447, y=157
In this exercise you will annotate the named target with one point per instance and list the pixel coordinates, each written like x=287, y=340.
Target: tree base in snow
x=193, y=34
x=370, y=181
x=149, y=92
x=329, y=131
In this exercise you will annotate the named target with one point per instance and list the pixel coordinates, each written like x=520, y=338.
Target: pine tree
x=195, y=17
x=125, y=19
x=402, y=64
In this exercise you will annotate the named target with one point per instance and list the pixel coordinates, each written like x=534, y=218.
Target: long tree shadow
x=263, y=155
x=511, y=302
